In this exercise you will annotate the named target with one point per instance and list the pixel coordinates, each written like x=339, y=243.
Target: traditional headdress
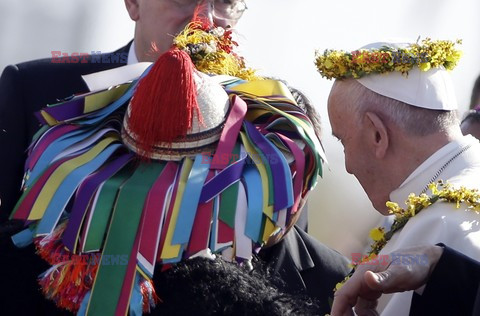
x=416, y=74
x=108, y=198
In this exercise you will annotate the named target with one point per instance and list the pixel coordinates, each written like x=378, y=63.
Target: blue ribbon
x=253, y=185
x=282, y=197
x=136, y=300
x=83, y=306
x=190, y=199
x=23, y=238
x=68, y=187
x=56, y=147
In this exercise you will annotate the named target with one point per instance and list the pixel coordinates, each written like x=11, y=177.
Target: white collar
x=419, y=178
x=108, y=78
x=132, y=55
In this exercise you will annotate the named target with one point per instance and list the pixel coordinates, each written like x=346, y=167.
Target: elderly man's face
x=158, y=21
x=354, y=133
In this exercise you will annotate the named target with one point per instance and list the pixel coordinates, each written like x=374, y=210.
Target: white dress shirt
x=132, y=55
x=108, y=78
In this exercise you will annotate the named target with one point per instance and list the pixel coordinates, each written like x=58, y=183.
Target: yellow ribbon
x=267, y=209
x=170, y=251
x=56, y=178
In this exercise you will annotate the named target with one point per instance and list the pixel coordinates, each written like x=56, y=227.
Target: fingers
x=366, y=307
x=378, y=281
x=342, y=307
x=404, y=272
x=348, y=295
x=394, y=279
x=343, y=304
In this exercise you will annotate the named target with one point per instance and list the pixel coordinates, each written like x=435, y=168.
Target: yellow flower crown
x=429, y=54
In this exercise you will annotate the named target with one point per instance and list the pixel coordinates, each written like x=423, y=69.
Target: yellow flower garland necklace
x=415, y=204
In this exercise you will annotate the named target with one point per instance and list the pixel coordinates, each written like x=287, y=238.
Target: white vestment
x=442, y=222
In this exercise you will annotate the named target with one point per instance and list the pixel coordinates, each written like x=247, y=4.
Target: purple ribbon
x=49, y=136
x=280, y=191
x=22, y=210
x=84, y=194
x=221, y=181
x=230, y=133
x=64, y=111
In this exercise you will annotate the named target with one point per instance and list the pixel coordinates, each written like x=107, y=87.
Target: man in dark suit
x=306, y=265
x=26, y=88
x=452, y=289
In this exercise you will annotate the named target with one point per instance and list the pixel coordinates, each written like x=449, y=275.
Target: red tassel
x=68, y=282
x=50, y=248
x=205, y=21
x=150, y=297
x=163, y=106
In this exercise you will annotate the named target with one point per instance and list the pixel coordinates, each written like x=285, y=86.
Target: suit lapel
x=298, y=251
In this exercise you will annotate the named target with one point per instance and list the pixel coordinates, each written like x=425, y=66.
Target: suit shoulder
x=61, y=60
x=9, y=74
x=43, y=67
x=47, y=65
x=76, y=63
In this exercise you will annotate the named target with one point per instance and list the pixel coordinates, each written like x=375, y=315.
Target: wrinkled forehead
x=343, y=105
x=343, y=94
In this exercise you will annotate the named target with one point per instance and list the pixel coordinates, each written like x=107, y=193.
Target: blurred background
x=279, y=38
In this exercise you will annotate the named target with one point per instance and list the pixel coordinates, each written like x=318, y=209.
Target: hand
x=369, y=281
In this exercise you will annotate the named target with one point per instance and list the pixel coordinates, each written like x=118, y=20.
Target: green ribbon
x=120, y=240
x=103, y=209
x=228, y=198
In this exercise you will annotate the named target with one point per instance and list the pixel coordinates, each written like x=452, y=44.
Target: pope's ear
x=133, y=9
x=377, y=134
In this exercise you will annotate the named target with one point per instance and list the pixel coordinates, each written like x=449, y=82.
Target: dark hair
x=472, y=115
x=202, y=286
x=474, y=99
x=305, y=105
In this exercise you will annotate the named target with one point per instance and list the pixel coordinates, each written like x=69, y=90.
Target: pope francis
x=398, y=124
